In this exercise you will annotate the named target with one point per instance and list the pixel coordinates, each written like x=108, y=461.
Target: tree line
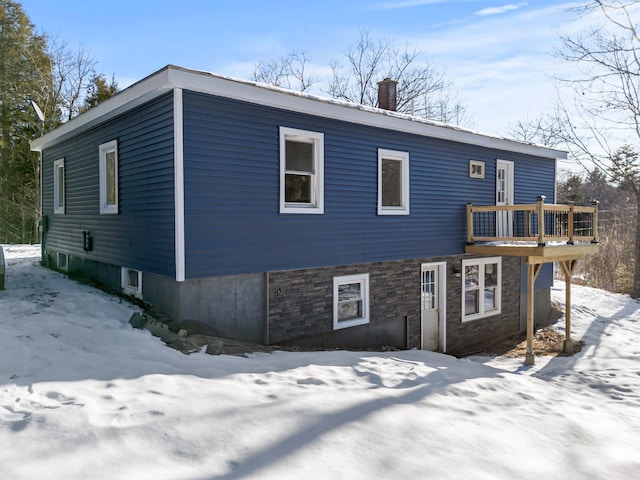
x=597, y=120
x=43, y=83
x=612, y=268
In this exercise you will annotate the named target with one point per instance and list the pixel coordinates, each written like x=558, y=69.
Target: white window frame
x=59, y=203
x=481, y=263
x=129, y=289
x=403, y=158
x=476, y=169
x=316, y=206
x=62, y=261
x=104, y=149
x=363, y=280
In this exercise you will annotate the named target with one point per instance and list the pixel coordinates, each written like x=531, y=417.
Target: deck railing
x=538, y=222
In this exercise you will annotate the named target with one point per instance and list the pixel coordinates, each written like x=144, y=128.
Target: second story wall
x=233, y=222
x=141, y=234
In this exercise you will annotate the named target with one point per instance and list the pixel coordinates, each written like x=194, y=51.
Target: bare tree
x=604, y=110
x=612, y=267
x=289, y=71
x=542, y=130
x=72, y=74
x=422, y=89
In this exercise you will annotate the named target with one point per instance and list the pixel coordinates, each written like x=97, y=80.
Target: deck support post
x=532, y=274
x=540, y=212
x=567, y=268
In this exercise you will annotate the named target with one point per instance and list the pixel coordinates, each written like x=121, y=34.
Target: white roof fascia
x=138, y=93
x=204, y=82
x=304, y=103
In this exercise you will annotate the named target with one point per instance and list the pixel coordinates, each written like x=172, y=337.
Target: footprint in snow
x=311, y=381
x=17, y=419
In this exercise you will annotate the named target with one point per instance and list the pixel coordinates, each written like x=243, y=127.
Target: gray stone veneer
x=300, y=306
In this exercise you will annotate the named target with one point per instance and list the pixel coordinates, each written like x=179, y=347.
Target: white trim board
x=178, y=187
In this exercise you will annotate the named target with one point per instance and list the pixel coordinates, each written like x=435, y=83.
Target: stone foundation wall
x=300, y=306
x=463, y=337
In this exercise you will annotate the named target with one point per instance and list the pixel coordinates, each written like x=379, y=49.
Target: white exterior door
x=432, y=303
x=504, y=196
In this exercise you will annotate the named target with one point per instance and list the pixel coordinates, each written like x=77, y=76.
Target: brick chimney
x=387, y=94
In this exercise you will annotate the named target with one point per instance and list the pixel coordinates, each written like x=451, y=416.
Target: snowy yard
x=85, y=396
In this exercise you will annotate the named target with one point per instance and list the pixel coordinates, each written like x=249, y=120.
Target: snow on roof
x=172, y=76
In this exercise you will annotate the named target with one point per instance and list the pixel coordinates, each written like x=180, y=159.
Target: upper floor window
x=482, y=292
x=393, y=182
x=109, y=177
x=58, y=186
x=301, y=171
x=476, y=169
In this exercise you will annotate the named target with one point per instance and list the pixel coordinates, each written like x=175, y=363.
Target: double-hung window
x=58, y=186
x=109, y=177
x=482, y=279
x=393, y=182
x=350, y=301
x=301, y=171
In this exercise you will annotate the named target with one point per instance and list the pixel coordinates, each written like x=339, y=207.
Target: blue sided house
x=283, y=218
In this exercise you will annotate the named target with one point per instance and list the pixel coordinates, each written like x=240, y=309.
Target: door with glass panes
x=504, y=197
x=432, y=290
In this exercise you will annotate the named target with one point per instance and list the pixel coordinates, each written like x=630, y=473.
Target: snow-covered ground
x=85, y=396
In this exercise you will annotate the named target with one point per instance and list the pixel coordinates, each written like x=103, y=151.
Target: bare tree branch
x=289, y=71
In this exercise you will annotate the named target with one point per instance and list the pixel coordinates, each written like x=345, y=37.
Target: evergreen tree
x=98, y=91
x=24, y=64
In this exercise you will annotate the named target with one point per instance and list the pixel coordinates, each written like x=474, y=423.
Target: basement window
x=350, y=301
x=132, y=282
x=62, y=261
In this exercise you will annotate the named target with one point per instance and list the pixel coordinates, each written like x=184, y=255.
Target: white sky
x=83, y=395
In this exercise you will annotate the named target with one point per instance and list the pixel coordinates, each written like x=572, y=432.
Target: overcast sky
x=499, y=54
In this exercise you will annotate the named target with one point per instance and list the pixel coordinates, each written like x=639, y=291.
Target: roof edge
x=172, y=76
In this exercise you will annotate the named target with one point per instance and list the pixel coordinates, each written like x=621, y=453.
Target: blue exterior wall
x=231, y=167
x=141, y=236
x=232, y=219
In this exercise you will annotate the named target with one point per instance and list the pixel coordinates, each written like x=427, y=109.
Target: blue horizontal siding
x=232, y=219
x=141, y=236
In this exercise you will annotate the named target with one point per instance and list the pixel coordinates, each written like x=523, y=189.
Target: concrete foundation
x=529, y=359
x=296, y=307
x=1, y=268
x=233, y=306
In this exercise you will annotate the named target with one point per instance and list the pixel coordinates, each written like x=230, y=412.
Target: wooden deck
x=544, y=224
x=535, y=253
x=540, y=233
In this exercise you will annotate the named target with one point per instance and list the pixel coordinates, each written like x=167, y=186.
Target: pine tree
x=23, y=77
x=98, y=91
